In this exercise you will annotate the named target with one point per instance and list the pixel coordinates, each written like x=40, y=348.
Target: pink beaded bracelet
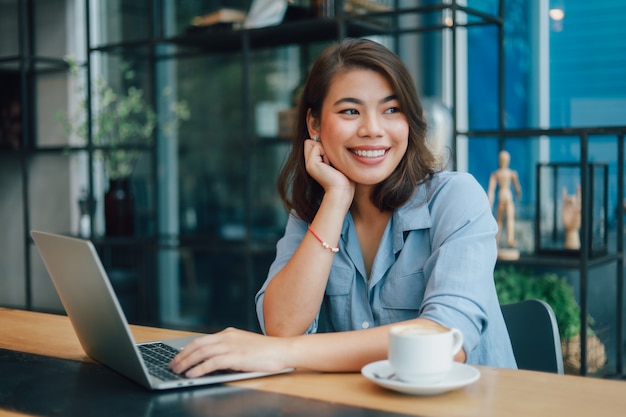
x=324, y=244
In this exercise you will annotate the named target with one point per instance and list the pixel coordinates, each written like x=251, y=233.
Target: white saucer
x=459, y=376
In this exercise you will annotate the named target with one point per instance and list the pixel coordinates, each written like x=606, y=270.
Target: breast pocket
x=401, y=297
x=337, y=298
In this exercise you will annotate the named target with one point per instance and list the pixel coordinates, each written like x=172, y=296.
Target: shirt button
x=365, y=325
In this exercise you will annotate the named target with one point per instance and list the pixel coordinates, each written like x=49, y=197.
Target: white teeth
x=369, y=154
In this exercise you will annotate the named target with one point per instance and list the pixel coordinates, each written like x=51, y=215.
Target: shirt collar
x=413, y=215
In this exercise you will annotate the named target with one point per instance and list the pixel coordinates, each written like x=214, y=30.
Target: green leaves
x=516, y=284
x=123, y=124
x=121, y=121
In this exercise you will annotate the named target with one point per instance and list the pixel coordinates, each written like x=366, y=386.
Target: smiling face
x=362, y=128
x=363, y=76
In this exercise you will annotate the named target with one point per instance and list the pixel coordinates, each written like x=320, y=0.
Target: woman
x=376, y=234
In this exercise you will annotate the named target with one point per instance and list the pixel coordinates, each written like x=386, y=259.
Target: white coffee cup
x=421, y=353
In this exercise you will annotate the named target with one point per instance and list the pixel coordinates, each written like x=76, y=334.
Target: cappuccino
x=422, y=354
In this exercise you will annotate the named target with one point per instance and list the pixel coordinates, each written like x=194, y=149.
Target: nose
x=371, y=126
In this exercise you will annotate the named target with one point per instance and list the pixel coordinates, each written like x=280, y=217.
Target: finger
x=202, y=359
x=183, y=354
x=182, y=361
x=224, y=361
x=312, y=159
x=311, y=147
x=195, y=352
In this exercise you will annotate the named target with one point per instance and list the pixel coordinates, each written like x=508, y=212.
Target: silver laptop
x=99, y=322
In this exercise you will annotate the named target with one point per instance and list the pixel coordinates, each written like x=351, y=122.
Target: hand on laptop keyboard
x=157, y=357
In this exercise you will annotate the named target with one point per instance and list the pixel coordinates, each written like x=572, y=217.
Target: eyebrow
x=357, y=101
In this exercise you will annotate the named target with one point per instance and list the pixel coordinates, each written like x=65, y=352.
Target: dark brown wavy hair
x=297, y=189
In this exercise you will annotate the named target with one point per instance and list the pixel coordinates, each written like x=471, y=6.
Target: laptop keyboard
x=158, y=355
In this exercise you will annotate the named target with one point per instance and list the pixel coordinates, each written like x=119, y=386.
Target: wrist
x=290, y=352
x=339, y=198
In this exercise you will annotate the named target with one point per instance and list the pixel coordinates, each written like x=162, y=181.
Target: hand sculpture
x=570, y=213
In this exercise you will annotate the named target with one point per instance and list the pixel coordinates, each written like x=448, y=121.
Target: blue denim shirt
x=435, y=260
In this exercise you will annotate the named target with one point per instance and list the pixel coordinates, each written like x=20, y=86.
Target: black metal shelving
x=584, y=260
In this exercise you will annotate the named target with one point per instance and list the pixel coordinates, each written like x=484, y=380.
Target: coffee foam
x=417, y=330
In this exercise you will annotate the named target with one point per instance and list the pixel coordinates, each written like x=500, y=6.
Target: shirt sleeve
x=460, y=290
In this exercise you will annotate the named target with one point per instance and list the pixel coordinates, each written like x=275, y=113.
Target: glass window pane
x=118, y=21
x=12, y=285
x=587, y=59
x=51, y=37
x=206, y=286
x=54, y=191
x=269, y=216
x=9, y=42
x=212, y=146
x=51, y=90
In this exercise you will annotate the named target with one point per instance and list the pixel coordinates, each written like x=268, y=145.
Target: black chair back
x=534, y=335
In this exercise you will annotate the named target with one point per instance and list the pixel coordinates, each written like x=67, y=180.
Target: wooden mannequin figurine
x=503, y=178
x=570, y=212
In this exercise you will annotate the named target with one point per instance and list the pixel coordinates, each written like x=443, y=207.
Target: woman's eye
x=349, y=111
x=392, y=110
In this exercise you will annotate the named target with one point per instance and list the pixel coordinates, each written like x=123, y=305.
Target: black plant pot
x=119, y=208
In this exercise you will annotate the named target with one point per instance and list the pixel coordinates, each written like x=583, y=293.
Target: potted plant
x=123, y=124
x=516, y=284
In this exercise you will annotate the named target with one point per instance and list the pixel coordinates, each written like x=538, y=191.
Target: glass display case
x=560, y=208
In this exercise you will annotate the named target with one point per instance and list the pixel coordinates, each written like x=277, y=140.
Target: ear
x=312, y=124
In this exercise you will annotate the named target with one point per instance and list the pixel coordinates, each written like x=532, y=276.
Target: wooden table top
x=498, y=392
